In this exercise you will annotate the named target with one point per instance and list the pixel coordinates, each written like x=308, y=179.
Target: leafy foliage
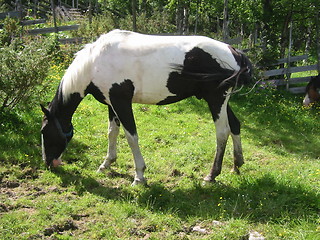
x=11, y=30
x=23, y=69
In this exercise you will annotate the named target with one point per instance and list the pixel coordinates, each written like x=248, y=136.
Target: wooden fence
x=285, y=72
x=281, y=76
x=56, y=29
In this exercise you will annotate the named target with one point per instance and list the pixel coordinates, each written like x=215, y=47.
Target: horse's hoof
x=101, y=169
x=137, y=181
x=235, y=170
x=209, y=178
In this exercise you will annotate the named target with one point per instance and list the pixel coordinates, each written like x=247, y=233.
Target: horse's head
x=54, y=140
x=312, y=91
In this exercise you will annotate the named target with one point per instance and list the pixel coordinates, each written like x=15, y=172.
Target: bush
x=100, y=24
x=23, y=69
x=10, y=31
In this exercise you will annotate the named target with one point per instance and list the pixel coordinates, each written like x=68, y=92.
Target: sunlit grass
x=277, y=193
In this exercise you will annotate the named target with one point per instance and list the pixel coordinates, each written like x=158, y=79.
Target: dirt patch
x=78, y=217
x=60, y=228
x=3, y=208
x=29, y=173
x=9, y=184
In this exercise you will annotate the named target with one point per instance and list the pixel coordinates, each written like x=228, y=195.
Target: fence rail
x=52, y=29
x=285, y=73
x=19, y=15
x=292, y=59
x=12, y=14
x=289, y=70
x=33, y=22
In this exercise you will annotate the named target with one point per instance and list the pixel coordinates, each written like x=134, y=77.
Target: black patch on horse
x=234, y=123
x=64, y=109
x=95, y=91
x=121, y=95
x=199, y=61
x=182, y=87
x=199, y=70
x=314, y=82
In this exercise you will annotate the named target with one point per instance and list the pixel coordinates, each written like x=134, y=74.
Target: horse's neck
x=63, y=110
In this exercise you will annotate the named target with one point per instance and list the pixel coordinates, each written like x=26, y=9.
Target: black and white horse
x=124, y=67
x=312, y=91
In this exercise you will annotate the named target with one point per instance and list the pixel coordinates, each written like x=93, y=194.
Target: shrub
x=100, y=24
x=10, y=31
x=23, y=69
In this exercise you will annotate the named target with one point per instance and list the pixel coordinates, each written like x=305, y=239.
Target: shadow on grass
x=89, y=184
x=261, y=200
x=272, y=118
x=20, y=138
x=278, y=119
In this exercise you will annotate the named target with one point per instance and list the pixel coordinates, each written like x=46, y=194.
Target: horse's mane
x=77, y=76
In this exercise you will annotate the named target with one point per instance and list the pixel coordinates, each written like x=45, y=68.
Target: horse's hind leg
x=237, y=153
x=113, y=132
x=222, y=134
x=237, y=146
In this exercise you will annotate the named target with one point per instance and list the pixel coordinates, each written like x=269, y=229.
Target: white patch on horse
x=306, y=100
x=112, y=145
x=144, y=59
x=78, y=75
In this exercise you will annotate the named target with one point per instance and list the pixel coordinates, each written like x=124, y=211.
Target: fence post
x=54, y=16
x=288, y=75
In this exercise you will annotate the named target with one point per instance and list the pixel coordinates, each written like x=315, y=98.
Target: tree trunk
x=197, y=17
x=225, y=28
x=134, y=15
x=179, y=18
x=185, y=19
x=267, y=12
x=182, y=17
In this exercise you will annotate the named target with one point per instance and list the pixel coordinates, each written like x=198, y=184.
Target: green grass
x=277, y=193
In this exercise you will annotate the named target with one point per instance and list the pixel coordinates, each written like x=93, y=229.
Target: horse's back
x=148, y=60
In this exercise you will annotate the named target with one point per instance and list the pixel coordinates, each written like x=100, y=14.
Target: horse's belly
x=151, y=89
x=150, y=98
x=148, y=73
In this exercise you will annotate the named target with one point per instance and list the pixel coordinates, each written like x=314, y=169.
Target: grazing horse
x=312, y=91
x=124, y=67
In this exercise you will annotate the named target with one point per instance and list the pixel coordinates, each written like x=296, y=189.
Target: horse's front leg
x=222, y=134
x=139, y=163
x=121, y=101
x=113, y=132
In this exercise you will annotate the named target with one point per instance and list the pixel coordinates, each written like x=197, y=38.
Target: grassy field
x=277, y=194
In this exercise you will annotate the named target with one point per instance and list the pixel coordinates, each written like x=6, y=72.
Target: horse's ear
x=45, y=111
